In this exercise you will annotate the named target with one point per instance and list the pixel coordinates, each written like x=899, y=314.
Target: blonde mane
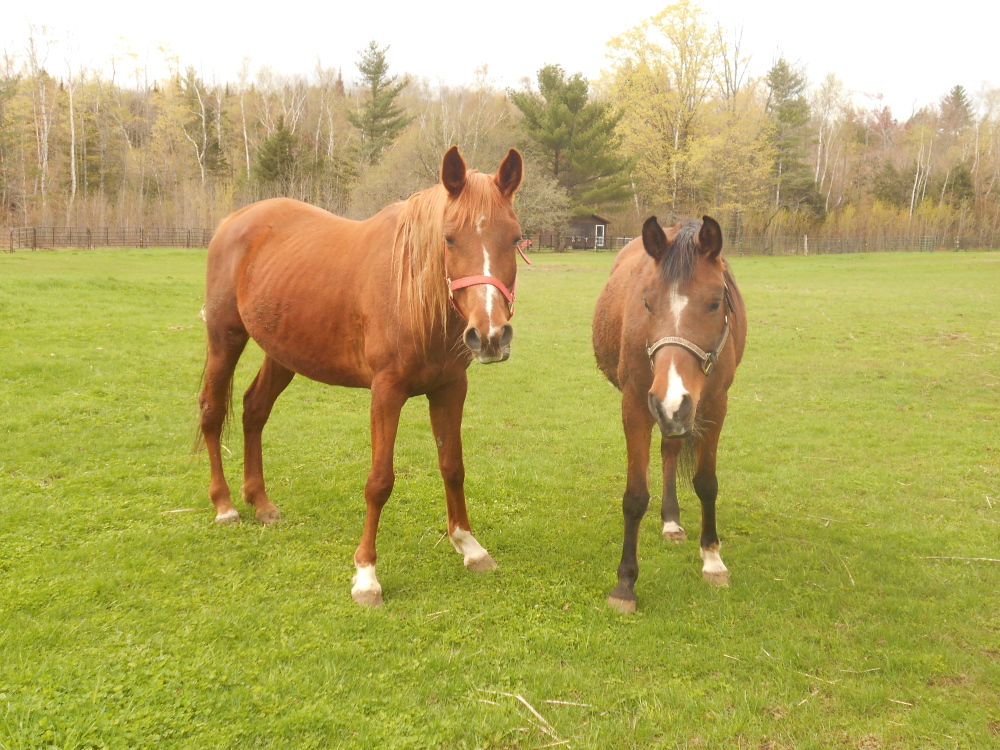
x=419, y=250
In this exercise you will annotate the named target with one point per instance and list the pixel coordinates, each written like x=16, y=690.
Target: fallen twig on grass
x=902, y=703
x=544, y=726
x=861, y=671
x=968, y=559
x=731, y=657
x=567, y=703
x=435, y=615
x=814, y=677
x=183, y=510
x=814, y=692
x=844, y=563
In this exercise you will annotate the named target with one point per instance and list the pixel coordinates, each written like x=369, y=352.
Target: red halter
x=466, y=281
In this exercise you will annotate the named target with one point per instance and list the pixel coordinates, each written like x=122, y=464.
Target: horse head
x=687, y=325
x=481, y=234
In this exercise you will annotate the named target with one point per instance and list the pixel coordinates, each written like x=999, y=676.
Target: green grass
x=861, y=440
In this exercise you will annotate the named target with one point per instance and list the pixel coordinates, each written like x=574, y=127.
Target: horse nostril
x=506, y=334
x=655, y=406
x=472, y=339
x=684, y=413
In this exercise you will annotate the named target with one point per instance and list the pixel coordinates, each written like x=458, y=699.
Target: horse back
x=304, y=284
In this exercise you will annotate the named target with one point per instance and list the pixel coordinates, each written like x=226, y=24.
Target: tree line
x=674, y=126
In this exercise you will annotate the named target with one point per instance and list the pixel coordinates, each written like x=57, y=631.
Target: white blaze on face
x=466, y=545
x=675, y=392
x=491, y=293
x=677, y=304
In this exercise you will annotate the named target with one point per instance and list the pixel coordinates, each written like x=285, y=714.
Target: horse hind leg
x=271, y=380
x=225, y=345
x=670, y=512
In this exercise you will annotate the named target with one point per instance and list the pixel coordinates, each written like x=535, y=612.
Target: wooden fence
x=38, y=238
x=801, y=245
x=47, y=238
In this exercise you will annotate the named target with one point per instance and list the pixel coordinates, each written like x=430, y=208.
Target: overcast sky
x=910, y=53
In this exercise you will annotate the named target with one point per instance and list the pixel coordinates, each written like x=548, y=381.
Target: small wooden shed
x=589, y=231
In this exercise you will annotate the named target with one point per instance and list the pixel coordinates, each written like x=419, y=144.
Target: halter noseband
x=707, y=359
x=467, y=281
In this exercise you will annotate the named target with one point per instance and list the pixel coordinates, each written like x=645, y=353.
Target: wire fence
x=50, y=238
x=787, y=245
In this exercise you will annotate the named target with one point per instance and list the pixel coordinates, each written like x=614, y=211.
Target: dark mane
x=678, y=263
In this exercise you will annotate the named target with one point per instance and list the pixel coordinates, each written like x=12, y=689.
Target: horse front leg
x=387, y=403
x=670, y=511
x=446, y=406
x=638, y=423
x=706, y=486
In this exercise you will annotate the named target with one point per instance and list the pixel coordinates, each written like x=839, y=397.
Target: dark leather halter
x=467, y=281
x=707, y=359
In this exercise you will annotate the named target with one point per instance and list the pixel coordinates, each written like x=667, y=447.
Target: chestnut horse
x=399, y=303
x=669, y=332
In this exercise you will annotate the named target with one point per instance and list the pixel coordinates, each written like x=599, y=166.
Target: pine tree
x=276, y=157
x=956, y=110
x=575, y=140
x=794, y=186
x=380, y=119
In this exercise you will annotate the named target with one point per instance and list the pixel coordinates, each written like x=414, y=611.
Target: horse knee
x=634, y=505
x=379, y=487
x=453, y=474
x=706, y=486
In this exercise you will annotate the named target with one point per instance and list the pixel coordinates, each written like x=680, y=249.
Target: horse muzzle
x=675, y=419
x=494, y=346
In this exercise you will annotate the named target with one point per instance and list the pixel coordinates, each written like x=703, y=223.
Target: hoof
x=625, y=606
x=719, y=578
x=673, y=532
x=228, y=518
x=367, y=597
x=481, y=564
x=268, y=517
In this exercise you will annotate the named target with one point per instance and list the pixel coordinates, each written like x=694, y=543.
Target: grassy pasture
x=862, y=440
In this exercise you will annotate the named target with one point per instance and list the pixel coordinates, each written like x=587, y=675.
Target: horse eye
x=449, y=240
x=648, y=308
x=714, y=306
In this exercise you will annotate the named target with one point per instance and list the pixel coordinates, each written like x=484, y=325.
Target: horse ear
x=710, y=237
x=654, y=239
x=508, y=177
x=453, y=172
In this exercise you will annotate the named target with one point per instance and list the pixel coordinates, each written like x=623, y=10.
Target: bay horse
x=399, y=303
x=669, y=332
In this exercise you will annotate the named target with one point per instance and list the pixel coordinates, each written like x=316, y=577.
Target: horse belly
x=307, y=318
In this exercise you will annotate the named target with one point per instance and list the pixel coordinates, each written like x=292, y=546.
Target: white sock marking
x=365, y=580
x=675, y=392
x=671, y=527
x=713, y=561
x=466, y=545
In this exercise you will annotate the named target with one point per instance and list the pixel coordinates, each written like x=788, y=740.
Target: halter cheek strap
x=467, y=281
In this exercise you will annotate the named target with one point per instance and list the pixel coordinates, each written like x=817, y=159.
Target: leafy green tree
x=379, y=118
x=276, y=157
x=794, y=185
x=575, y=140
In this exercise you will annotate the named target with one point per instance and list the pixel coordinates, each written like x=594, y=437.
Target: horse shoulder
x=612, y=319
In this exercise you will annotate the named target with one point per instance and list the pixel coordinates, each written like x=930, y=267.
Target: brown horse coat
x=365, y=304
x=671, y=287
